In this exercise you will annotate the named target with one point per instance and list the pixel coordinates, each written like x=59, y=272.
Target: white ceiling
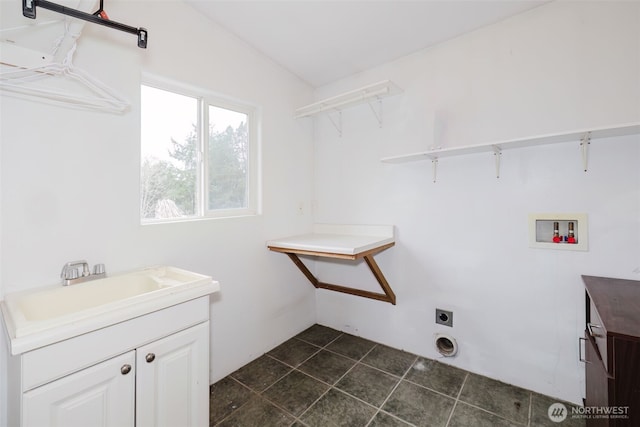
x=324, y=41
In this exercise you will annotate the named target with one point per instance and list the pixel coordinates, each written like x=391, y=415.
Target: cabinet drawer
x=596, y=330
x=48, y=363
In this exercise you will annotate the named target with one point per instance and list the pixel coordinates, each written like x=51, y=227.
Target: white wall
x=70, y=186
x=462, y=243
x=3, y=345
x=70, y=180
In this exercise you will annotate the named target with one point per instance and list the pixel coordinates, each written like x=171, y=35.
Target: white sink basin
x=53, y=312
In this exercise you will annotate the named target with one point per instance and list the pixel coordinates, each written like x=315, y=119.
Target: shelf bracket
x=337, y=123
x=585, y=141
x=377, y=114
x=387, y=294
x=497, y=153
x=434, y=164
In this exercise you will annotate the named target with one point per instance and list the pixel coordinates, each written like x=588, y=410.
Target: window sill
x=182, y=220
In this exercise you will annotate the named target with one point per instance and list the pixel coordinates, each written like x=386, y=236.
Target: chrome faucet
x=71, y=274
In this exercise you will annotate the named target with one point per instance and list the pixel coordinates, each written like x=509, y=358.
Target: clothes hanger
x=101, y=97
x=19, y=79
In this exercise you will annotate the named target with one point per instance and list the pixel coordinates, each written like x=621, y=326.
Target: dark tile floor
x=323, y=377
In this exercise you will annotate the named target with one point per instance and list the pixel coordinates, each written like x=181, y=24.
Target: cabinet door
x=99, y=396
x=173, y=380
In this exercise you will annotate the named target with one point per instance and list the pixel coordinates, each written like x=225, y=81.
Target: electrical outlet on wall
x=444, y=317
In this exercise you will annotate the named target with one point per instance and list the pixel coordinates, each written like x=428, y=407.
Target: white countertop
x=338, y=239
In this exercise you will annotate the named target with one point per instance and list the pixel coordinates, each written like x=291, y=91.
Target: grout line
x=494, y=414
x=432, y=389
x=277, y=379
x=262, y=394
x=230, y=414
x=319, y=349
x=283, y=409
x=360, y=362
x=312, y=377
x=349, y=357
x=525, y=424
x=368, y=352
x=530, y=409
x=402, y=420
x=317, y=379
x=382, y=371
x=400, y=377
x=332, y=386
x=346, y=372
x=334, y=340
x=393, y=390
x=321, y=346
x=314, y=402
x=455, y=403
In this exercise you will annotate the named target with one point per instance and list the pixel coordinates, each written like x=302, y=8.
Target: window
x=198, y=156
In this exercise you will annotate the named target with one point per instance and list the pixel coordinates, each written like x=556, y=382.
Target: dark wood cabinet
x=612, y=351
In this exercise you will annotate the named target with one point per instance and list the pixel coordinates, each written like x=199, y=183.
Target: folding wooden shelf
x=350, y=242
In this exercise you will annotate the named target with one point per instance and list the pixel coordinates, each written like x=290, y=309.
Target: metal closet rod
x=29, y=10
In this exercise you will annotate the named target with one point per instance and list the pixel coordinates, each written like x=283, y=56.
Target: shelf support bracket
x=337, y=123
x=497, y=153
x=377, y=114
x=584, y=147
x=434, y=166
x=387, y=294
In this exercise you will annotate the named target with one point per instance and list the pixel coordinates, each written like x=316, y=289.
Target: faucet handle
x=98, y=269
x=70, y=273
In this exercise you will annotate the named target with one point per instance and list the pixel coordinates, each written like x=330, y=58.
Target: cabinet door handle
x=125, y=369
x=580, y=358
x=590, y=326
x=150, y=357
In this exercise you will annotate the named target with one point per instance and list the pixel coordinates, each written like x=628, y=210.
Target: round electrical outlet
x=444, y=317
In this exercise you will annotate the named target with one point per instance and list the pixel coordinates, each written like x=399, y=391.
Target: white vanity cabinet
x=151, y=370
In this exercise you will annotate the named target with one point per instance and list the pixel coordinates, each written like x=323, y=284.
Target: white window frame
x=205, y=99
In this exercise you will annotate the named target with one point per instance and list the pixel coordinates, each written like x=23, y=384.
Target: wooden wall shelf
x=350, y=242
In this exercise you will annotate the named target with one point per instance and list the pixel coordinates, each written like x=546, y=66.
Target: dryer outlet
x=444, y=317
